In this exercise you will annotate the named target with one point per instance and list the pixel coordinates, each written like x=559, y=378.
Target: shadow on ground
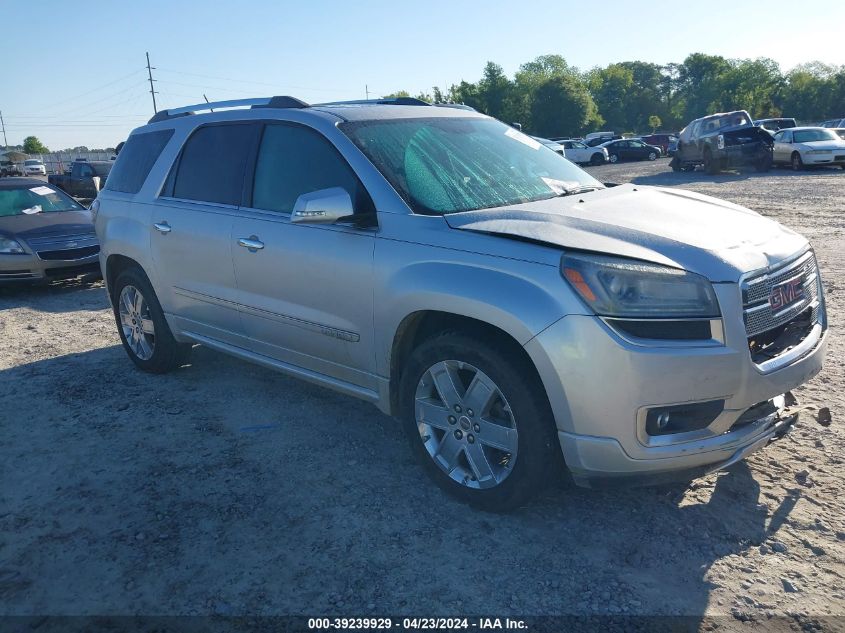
x=224, y=488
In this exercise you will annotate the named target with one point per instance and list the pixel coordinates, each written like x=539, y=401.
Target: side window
x=211, y=166
x=786, y=138
x=135, y=161
x=294, y=160
x=85, y=171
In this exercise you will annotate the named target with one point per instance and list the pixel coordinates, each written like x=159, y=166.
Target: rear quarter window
x=135, y=161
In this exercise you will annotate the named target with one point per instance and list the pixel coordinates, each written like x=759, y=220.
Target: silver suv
x=511, y=310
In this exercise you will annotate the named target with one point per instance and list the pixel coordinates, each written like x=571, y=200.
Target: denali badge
x=786, y=293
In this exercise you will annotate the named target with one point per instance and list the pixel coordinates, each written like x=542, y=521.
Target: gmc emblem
x=786, y=293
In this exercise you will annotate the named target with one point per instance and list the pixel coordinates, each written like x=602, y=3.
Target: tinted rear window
x=135, y=161
x=211, y=168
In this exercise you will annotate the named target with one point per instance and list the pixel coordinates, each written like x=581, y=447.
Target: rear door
x=306, y=292
x=191, y=230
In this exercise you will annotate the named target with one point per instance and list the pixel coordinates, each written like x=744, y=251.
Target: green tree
x=31, y=145
x=611, y=88
x=494, y=91
x=562, y=106
x=700, y=84
x=654, y=122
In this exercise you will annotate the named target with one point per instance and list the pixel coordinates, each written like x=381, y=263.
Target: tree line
x=548, y=97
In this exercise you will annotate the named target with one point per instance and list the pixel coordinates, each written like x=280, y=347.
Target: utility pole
x=152, y=90
x=367, y=91
x=3, y=125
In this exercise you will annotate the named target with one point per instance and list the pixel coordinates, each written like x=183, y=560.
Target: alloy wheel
x=136, y=322
x=466, y=424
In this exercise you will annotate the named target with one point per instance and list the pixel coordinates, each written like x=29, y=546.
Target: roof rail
x=260, y=102
x=413, y=101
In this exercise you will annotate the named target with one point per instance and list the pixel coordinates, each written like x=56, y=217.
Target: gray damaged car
x=513, y=312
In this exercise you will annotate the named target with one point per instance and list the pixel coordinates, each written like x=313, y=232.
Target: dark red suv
x=662, y=140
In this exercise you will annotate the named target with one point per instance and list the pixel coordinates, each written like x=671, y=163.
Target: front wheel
x=143, y=330
x=478, y=420
x=763, y=164
x=711, y=166
x=797, y=163
x=597, y=159
x=652, y=155
x=613, y=158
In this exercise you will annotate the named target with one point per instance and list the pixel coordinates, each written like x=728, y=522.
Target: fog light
x=682, y=418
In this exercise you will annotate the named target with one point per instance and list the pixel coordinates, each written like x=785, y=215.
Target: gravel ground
x=225, y=488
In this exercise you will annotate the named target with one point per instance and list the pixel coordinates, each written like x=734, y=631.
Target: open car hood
x=705, y=235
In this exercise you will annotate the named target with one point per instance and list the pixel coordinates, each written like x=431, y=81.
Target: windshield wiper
x=576, y=190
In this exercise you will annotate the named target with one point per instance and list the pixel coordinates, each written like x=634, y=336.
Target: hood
x=54, y=224
x=704, y=235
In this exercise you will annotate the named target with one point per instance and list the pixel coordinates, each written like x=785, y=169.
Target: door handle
x=162, y=227
x=252, y=243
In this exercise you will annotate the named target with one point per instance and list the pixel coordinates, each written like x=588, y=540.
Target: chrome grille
x=757, y=292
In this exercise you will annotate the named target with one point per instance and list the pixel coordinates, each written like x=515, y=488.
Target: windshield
x=449, y=165
x=101, y=169
x=32, y=162
x=32, y=200
x=808, y=136
x=724, y=120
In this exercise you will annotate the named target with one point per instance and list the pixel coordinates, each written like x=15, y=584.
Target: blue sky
x=80, y=76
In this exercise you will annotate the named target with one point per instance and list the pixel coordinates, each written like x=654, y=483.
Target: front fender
x=521, y=298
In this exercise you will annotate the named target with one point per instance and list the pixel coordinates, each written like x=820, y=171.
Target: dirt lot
x=225, y=488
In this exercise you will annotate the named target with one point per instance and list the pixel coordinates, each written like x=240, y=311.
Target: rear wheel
x=711, y=166
x=478, y=420
x=797, y=163
x=143, y=330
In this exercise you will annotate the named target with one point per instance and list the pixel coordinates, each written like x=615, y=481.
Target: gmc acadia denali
x=463, y=277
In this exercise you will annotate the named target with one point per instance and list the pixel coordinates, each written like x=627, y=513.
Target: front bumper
x=837, y=158
x=29, y=268
x=601, y=386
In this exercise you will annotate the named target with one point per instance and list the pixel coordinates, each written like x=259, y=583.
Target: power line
x=152, y=90
x=59, y=104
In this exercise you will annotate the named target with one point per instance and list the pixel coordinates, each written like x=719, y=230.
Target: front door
x=305, y=291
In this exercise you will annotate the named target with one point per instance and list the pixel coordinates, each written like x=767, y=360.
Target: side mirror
x=324, y=206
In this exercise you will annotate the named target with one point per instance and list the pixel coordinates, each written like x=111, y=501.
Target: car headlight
x=617, y=287
x=10, y=247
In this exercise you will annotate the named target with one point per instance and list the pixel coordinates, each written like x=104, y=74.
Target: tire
x=764, y=164
x=710, y=166
x=613, y=158
x=796, y=162
x=675, y=164
x=449, y=437
x=652, y=155
x=597, y=159
x=151, y=345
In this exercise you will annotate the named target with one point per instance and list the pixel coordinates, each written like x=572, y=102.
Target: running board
x=292, y=370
